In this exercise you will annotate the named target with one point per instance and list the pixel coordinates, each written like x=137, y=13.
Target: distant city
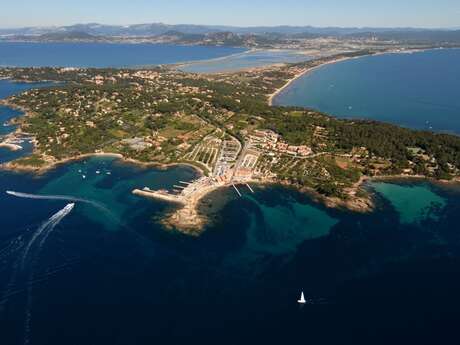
x=264, y=36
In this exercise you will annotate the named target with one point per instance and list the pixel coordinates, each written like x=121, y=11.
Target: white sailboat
x=302, y=299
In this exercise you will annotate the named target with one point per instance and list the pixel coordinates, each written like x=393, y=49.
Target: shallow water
x=413, y=203
x=246, y=60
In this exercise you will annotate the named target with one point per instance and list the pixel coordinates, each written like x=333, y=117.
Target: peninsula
x=222, y=124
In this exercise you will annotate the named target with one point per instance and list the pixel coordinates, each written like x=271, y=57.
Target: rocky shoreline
x=188, y=218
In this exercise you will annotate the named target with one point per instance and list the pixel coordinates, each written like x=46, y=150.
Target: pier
x=11, y=146
x=237, y=190
x=159, y=195
x=249, y=188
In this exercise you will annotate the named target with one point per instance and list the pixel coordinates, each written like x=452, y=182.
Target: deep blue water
x=419, y=90
x=110, y=273
x=104, y=54
x=119, y=277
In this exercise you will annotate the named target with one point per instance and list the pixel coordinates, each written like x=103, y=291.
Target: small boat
x=98, y=172
x=69, y=207
x=84, y=176
x=302, y=299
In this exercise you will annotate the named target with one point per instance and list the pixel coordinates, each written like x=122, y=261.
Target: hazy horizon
x=444, y=14
x=231, y=26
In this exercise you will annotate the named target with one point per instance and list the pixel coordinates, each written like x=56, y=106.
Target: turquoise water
x=108, y=272
x=246, y=60
x=418, y=90
x=105, y=54
x=306, y=222
x=413, y=203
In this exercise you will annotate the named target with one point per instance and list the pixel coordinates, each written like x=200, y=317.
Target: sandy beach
x=272, y=96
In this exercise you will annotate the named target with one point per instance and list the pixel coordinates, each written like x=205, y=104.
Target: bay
x=417, y=90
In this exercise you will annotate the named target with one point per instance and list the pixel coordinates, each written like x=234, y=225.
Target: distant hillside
x=76, y=36
x=157, y=29
x=140, y=30
x=180, y=36
x=222, y=35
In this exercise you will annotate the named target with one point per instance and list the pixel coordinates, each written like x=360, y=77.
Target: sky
x=344, y=13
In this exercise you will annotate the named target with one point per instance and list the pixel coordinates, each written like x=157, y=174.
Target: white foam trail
x=46, y=228
x=56, y=220
x=64, y=198
x=56, y=197
x=51, y=223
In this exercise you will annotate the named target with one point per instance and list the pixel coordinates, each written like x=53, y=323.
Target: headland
x=226, y=126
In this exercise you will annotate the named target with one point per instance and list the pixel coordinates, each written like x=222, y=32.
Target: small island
x=222, y=124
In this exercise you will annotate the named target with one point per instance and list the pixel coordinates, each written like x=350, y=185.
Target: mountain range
x=226, y=34
x=155, y=29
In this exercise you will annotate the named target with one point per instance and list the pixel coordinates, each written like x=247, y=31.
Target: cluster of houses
x=271, y=141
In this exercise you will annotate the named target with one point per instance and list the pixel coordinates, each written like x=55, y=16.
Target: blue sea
x=418, y=90
x=105, y=54
x=108, y=272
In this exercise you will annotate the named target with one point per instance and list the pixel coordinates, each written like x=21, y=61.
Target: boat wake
x=46, y=228
x=57, y=197
x=69, y=198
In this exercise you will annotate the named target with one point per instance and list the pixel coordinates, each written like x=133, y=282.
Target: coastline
x=188, y=218
x=184, y=64
x=272, y=96
x=52, y=164
x=181, y=66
